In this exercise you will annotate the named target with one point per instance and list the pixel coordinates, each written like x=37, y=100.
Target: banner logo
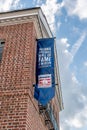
x=44, y=81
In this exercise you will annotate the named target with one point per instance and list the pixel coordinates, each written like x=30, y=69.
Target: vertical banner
x=45, y=77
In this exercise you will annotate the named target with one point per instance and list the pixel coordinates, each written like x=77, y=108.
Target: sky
x=68, y=22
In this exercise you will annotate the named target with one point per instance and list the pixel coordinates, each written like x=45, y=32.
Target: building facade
x=18, y=108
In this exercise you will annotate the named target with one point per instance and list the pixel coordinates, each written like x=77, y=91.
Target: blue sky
x=68, y=22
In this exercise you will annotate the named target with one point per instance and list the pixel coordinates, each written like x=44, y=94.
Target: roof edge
x=25, y=9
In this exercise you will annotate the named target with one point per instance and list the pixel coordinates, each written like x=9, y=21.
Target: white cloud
x=78, y=44
x=39, y=1
x=61, y=128
x=81, y=9
x=76, y=7
x=15, y=4
x=6, y=5
x=67, y=55
x=74, y=123
x=51, y=8
x=74, y=79
x=79, y=120
x=85, y=64
x=73, y=96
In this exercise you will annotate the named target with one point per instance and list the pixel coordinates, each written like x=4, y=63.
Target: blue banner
x=45, y=76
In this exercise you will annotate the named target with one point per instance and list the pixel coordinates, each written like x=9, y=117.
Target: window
x=2, y=42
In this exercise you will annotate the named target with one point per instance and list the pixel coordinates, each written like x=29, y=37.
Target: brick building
x=18, y=108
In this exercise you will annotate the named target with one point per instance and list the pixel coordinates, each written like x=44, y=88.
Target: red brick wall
x=18, y=108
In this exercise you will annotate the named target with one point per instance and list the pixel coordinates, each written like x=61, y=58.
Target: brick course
x=18, y=108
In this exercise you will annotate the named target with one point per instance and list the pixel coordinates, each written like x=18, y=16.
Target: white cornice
x=22, y=15
x=17, y=16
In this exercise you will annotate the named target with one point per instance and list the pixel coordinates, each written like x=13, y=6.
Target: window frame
x=2, y=42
